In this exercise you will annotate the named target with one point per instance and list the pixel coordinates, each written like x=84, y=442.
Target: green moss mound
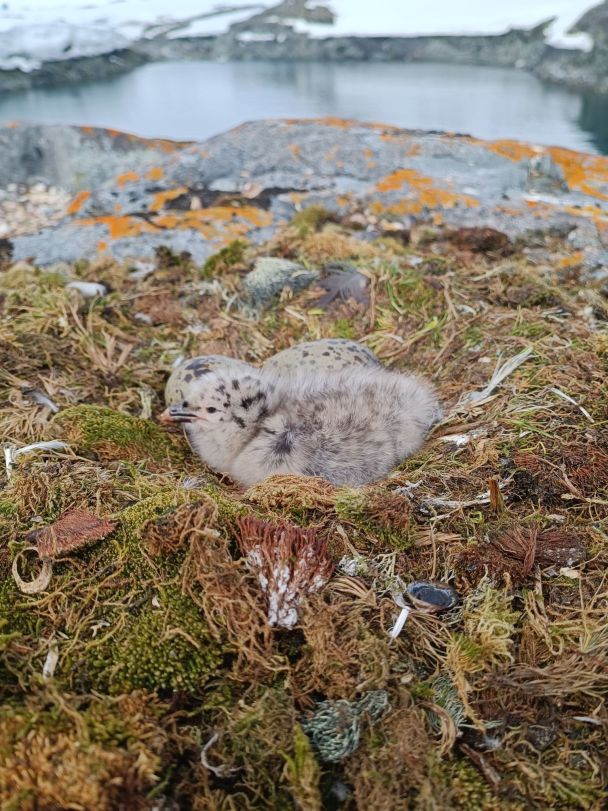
x=112, y=435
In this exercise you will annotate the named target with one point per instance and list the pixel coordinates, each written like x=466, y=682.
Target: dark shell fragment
x=431, y=597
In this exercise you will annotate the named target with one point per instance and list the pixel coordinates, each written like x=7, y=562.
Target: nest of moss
x=147, y=676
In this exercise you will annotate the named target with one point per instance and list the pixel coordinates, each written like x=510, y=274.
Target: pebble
x=270, y=275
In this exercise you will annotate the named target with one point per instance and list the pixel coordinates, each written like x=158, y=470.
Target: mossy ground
x=160, y=630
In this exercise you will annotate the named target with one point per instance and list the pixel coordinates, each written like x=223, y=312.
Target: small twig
x=500, y=373
x=489, y=772
x=218, y=771
x=572, y=401
x=11, y=452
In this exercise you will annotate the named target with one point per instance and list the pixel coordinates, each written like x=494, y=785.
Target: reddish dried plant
x=72, y=530
x=557, y=547
x=289, y=563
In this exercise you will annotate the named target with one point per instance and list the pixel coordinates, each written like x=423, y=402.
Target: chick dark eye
x=211, y=410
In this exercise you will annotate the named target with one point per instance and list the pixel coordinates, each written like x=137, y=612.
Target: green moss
x=343, y=328
x=469, y=790
x=310, y=219
x=371, y=511
x=18, y=278
x=302, y=771
x=133, y=518
x=7, y=509
x=112, y=435
x=409, y=293
x=160, y=648
x=223, y=260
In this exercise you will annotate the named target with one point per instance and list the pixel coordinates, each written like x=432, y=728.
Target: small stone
x=270, y=275
x=88, y=289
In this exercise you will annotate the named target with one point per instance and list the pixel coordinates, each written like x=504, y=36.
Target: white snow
x=408, y=17
x=209, y=26
x=26, y=47
x=32, y=31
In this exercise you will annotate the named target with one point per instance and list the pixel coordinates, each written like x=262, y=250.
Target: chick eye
x=211, y=410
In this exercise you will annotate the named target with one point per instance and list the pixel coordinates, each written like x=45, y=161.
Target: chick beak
x=176, y=414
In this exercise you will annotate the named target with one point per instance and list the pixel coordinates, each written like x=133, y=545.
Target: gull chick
x=350, y=427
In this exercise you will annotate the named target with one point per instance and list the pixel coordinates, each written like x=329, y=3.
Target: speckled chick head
x=185, y=378
x=326, y=355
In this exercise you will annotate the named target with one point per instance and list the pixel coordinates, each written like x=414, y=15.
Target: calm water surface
x=194, y=100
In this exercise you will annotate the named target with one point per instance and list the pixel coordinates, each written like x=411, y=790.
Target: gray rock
x=270, y=275
x=468, y=182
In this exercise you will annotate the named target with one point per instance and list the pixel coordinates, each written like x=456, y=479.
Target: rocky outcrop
x=521, y=48
x=73, y=71
x=128, y=196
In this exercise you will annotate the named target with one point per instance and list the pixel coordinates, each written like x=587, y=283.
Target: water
x=194, y=100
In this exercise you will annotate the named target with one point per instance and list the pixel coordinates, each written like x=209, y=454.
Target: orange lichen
x=102, y=247
x=513, y=150
x=127, y=177
x=582, y=172
x=78, y=202
x=215, y=223
x=88, y=130
x=155, y=173
x=592, y=212
x=295, y=150
x=333, y=121
x=118, y=227
x=572, y=261
x=397, y=179
x=163, y=197
x=425, y=195
x=117, y=208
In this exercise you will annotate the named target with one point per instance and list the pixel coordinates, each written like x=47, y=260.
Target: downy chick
x=350, y=427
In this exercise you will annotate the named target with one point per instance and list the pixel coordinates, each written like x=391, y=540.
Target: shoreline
x=519, y=49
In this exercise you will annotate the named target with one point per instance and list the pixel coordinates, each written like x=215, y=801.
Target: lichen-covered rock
x=270, y=275
x=132, y=196
x=113, y=436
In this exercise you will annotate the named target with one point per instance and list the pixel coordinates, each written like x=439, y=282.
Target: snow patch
x=48, y=30
x=27, y=47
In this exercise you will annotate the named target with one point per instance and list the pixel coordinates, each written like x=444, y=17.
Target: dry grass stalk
x=287, y=492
